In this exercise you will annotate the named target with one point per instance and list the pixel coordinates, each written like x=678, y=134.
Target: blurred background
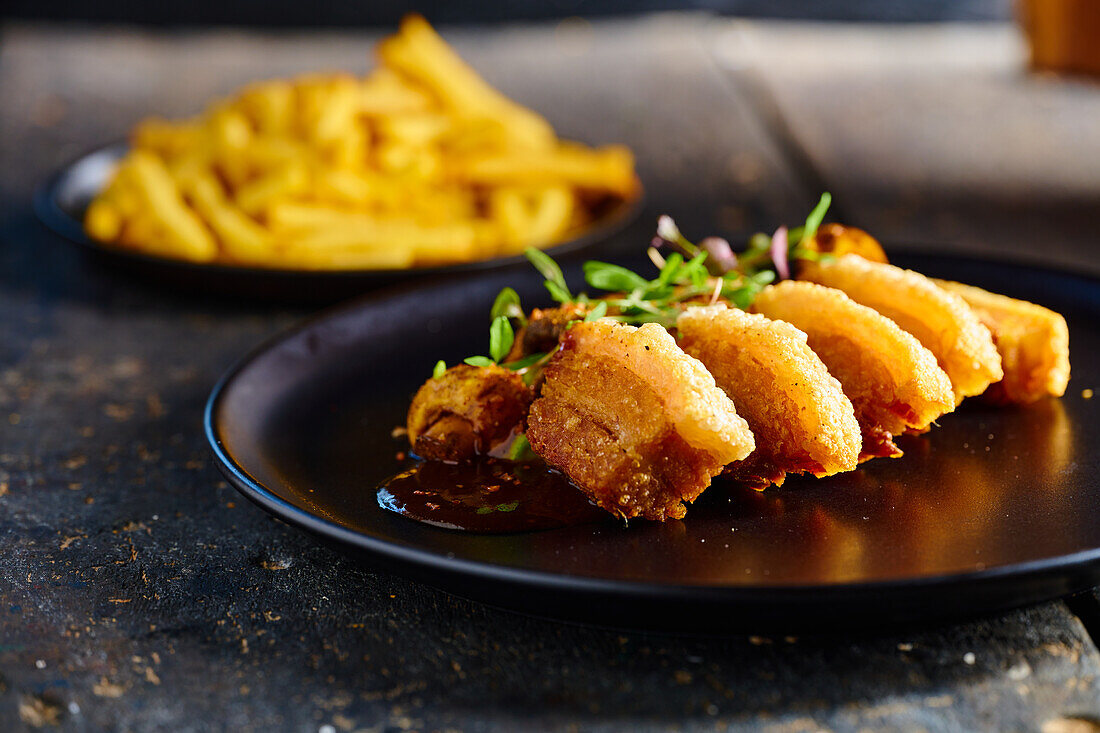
x=932, y=122
x=342, y=13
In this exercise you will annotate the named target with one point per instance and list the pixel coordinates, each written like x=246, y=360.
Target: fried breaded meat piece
x=466, y=411
x=894, y=383
x=635, y=422
x=940, y=320
x=1033, y=342
x=796, y=409
x=838, y=239
x=544, y=328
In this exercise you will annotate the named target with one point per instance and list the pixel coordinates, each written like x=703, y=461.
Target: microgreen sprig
x=555, y=280
x=501, y=338
x=761, y=255
x=507, y=304
x=691, y=273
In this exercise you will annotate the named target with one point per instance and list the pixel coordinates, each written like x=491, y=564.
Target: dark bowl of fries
x=323, y=185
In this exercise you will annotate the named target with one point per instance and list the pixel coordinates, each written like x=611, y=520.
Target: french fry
x=120, y=192
x=290, y=180
x=143, y=234
x=350, y=150
x=301, y=255
x=511, y=214
x=103, y=221
x=385, y=93
x=608, y=169
x=417, y=130
x=270, y=106
x=418, y=51
x=269, y=152
x=243, y=240
x=186, y=169
x=231, y=135
x=394, y=241
x=289, y=216
x=185, y=235
x=531, y=217
x=166, y=138
x=421, y=162
x=404, y=160
x=552, y=211
x=340, y=186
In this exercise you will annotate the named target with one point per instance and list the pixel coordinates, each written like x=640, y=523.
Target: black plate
x=62, y=201
x=996, y=508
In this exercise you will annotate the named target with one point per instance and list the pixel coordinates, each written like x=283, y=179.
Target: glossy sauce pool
x=488, y=496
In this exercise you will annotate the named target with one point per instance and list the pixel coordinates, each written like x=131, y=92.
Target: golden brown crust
x=838, y=239
x=795, y=408
x=894, y=382
x=636, y=423
x=467, y=411
x=940, y=320
x=1033, y=342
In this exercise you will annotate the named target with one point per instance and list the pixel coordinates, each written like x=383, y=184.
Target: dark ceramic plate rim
x=54, y=216
x=1086, y=562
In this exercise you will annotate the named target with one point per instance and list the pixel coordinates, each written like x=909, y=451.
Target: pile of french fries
x=419, y=163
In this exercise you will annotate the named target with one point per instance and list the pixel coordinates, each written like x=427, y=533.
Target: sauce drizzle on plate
x=488, y=496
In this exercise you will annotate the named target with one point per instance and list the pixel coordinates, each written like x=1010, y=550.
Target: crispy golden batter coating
x=635, y=422
x=894, y=383
x=940, y=320
x=1033, y=342
x=797, y=410
x=467, y=411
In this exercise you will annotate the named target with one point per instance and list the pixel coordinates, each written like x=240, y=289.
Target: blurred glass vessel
x=1063, y=35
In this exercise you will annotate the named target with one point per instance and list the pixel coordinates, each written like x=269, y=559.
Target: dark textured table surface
x=139, y=592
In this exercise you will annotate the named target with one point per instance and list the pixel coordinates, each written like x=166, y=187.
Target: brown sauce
x=488, y=496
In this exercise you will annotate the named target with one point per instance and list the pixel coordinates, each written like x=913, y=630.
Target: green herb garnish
x=521, y=450
x=507, y=304
x=691, y=273
x=439, y=370
x=813, y=221
x=596, y=313
x=555, y=280
x=501, y=338
x=509, y=507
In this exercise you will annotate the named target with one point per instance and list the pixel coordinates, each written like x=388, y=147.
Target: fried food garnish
x=544, y=328
x=893, y=381
x=466, y=411
x=635, y=422
x=1033, y=342
x=940, y=320
x=838, y=239
x=797, y=410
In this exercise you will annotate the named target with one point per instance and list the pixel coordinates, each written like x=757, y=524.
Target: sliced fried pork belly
x=1033, y=342
x=940, y=320
x=894, y=383
x=635, y=422
x=797, y=410
x=466, y=411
